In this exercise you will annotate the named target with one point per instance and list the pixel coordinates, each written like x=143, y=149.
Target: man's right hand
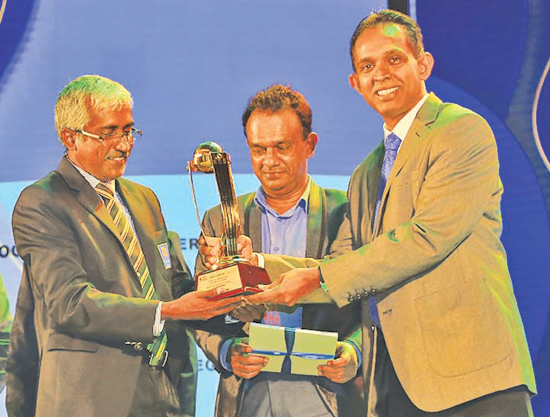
x=197, y=305
x=213, y=250
x=245, y=364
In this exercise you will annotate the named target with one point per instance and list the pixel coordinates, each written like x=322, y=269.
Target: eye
x=108, y=132
x=395, y=59
x=367, y=67
x=257, y=151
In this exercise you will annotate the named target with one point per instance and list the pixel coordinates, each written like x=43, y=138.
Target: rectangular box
x=294, y=351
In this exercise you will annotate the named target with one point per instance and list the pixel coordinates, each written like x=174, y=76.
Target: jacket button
x=138, y=346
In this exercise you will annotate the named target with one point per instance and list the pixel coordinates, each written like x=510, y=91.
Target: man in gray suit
x=289, y=214
x=103, y=291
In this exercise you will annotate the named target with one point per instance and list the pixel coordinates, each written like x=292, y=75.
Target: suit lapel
x=86, y=195
x=374, y=169
x=253, y=222
x=414, y=139
x=316, y=222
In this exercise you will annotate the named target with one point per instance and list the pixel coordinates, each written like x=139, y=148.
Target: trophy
x=233, y=274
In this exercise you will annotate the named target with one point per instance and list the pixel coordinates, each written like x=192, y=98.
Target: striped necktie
x=391, y=145
x=135, y=254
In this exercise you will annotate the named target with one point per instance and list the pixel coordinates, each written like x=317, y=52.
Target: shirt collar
x=302, y=202
x=402, y=127
x=93, y=181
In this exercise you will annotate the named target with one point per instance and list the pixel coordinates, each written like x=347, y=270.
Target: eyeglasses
x=109, y=138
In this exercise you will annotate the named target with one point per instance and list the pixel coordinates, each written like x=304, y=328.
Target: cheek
x=256, y=164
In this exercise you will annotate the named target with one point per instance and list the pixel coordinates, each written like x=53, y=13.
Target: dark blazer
x=434, y=263
x=82, y=296
x=326, y=210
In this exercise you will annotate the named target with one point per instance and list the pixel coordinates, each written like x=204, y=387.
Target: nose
x=381, y=72
x=123, y=145
x=270, y=158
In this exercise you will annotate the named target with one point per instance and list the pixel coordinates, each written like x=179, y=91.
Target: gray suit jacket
x=326, y=210
x=81, y=296
x=434, y=263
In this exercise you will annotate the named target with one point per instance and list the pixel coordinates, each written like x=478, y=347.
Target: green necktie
x=133, y=249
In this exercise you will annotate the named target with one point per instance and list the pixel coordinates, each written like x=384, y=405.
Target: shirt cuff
x=223, y=355
x=261, y=260
x=357, y=351
x=158, y=326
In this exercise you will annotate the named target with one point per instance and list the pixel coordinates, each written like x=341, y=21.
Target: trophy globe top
x=202, y=157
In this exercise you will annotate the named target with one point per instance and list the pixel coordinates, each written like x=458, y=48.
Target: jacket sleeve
x=460, y=186
x=23, y=359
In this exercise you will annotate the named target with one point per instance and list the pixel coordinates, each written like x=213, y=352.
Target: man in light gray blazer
x=420, y=246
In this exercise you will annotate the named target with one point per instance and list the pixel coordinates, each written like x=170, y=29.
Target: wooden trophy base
x=236, y=278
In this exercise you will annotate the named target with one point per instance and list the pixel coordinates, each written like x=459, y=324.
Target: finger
x=249, y=360
x=246, y=374
x=337, y=362
x=334, y=374
x=211, y=259
x=208, y=293
x=269, y=296
x=217, y=312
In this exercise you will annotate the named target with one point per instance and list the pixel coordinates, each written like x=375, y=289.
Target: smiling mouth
x=386, y=92
x=118, y=158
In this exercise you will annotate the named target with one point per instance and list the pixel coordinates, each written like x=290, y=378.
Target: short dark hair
x=280, y=97
x=384, y=17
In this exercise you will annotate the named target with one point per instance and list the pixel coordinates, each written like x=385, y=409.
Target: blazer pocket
x=59, y=341
x=463, y=329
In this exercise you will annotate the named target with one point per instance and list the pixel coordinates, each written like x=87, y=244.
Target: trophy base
x=233, y=279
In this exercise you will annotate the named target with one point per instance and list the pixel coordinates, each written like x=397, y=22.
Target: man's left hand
x=288, y=288
x=343, y=367
x=247, y=312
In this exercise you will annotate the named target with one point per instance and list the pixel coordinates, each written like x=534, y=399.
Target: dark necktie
x=391, y=144
x=133, y=249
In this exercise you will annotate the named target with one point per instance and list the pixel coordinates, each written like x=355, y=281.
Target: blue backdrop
x=192, y=65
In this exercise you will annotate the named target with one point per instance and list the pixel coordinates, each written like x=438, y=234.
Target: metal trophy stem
x=237, y=275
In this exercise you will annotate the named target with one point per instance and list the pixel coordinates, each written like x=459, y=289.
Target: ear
x=354, y=82
x=425, y=65
x=311, y=143
x=68, y=137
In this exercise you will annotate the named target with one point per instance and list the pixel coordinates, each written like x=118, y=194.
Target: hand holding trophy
x=233, y=274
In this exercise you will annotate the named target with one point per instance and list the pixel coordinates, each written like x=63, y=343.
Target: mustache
x=117, y=154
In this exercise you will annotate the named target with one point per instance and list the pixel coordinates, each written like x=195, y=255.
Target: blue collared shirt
x=284, y=234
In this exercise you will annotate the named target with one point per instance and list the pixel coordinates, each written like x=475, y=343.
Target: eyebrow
x=115, y=127
x=271, y=144
x=370, y=58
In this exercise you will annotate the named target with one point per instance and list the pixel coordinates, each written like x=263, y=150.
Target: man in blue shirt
x=288, y=215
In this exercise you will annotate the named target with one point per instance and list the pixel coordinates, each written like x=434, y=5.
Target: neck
x=282, y=203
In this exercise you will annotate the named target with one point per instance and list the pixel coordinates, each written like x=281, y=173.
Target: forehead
x=266, y=126
x=111, y=116
x=382, y=39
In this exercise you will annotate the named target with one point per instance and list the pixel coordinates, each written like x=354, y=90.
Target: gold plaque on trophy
x=233, y=275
